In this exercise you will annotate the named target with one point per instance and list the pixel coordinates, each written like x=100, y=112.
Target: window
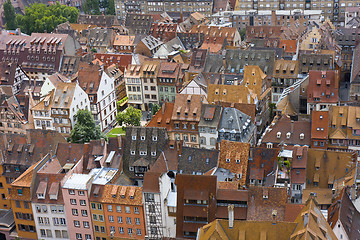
x=76, y=223
x=120, y=220
x=121, y=230
x=75, y=212
x=26, y=205
x=93, y=205
x=99, y=206
x=53, y=209
x=73, y=201
x=102, y=229
x=127, y=209
x=56, y=221
x=101, y=218
x=112, y=229
x=110, y=208
x=44, y=208
x=62, y=221
x=82, y=203
x=78, y=236
x=81, y=193
x=136, y=210
x=20, y=192
x=86, y=224
x=40, y=220
x=111, y=218
x=95, y=217
x=84, y=213
x=71, y=192
x=130, y=231
x=96, y=228
x=153, y=219
x=60, y=209
x=118, y=208
x=17, y=204
x=137, y=221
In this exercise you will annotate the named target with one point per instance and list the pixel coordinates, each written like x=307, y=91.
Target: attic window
x=142, y=138
x=288, y=135
x=278, y=134
x=321, y=116
x=133, y=153
x=131, y=169
x=238, y=161
x=302, y=136
x=228, y=160
x=153, y=153
x=133, y=137
x=189, y=159
x=154, y=138
x=207, y=161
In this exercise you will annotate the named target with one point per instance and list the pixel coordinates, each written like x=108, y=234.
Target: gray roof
x=172, y=46
x=235, y=126
x=210, y=122
x=310, y=61
x=197, y=161
x=141, y=139
x=138, y=23
x=99, y=37
x=214, y=63
x=236, y=60
x=151, y=42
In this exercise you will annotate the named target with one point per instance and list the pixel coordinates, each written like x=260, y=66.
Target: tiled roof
x=264, y=202
x=312, y=224
x=187, y=107
x=163, y=117
x=121, y=60
x=151, y=182
x=323, y=87
x=264, y=159
x=325, y=166
x=113, y=194
x=210, y=115
x=289, y=46
x=286, y=69
x=279, y=132
x=234, y=157
x=124, y=40
x=319, y=124
x=252, y=230
x=292, y=211
x=138, y=23
x=89, y=77
x=262, y=32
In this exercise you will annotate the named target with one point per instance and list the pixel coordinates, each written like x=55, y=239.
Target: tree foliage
x=85, y=128
x=40, y=18
x=92, y=7
x=155, y=109
x=10, y=16
x=130, y=116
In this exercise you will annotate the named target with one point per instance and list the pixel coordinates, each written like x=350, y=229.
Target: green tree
x=10, y=16
x=130, y=116
x=92, y=7
x=40, y=18
x=110, y=10
x=242, y=33
x=85, y=128
x=155, y=109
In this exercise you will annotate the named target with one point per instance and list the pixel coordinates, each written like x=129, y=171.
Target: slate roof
x=151, y=43
x=344, y=210
x=236, y=60
x=196, y=161
x=263, y=160
x=213, y=63
x=138, y=23
x=236, y=126
x=99, y=20
x=134, y=143
x=318, y=61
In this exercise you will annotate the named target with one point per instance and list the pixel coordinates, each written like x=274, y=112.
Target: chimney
x=231, y=215
x=292, y=126
x=163, y=109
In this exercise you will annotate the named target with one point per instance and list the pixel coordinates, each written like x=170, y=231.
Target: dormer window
x=132, y=153
x=40, y=196
x=288, y=135
x=142, y=138
x=227, y=160
x=237, y=161
x=269, y=145
x=302, y=136
x=207, y=161
x=154, y=138
x=143, y=153
x=153, y=154
x=133, y=137
x=189, y=159
x=131, y=169
x=278, y=134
